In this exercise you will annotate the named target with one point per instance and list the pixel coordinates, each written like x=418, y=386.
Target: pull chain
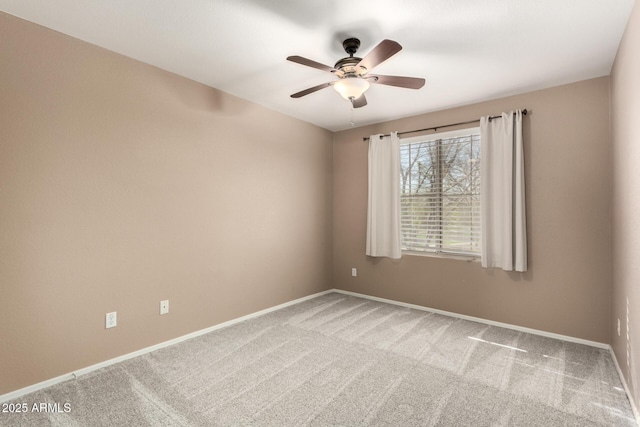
x=353, y=124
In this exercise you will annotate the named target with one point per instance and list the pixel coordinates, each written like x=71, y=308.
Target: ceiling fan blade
x=399, y=81
x=310, y=63
x=383, y=51
x=311, y=90
x=359, y=102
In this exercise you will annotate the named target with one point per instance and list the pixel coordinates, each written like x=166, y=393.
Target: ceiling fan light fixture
x=351, y=87
x=352, y=72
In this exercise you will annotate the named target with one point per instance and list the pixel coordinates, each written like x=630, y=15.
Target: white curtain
x=504, y=235
x=383, y=213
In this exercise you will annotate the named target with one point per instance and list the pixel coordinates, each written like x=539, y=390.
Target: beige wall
x=625, y=113
x=567, y=288
x=122, y=185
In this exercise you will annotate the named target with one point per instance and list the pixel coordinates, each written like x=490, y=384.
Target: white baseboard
x=626, y=387
x=75, y=374
x=480, y=320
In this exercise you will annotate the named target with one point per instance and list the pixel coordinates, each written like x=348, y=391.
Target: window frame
x=441, y=253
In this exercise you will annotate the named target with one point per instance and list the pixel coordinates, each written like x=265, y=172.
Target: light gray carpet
x=342, y=360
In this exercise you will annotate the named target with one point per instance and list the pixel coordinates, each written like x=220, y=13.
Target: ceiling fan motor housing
x=349, y=65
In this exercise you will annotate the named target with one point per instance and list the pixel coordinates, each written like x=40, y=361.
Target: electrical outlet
x=111, y=320
x=164, y=306
x=354, y=272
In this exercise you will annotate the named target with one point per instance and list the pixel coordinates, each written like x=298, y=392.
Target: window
x=440, y=193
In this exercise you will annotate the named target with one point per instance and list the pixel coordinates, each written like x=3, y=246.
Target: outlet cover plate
x=164, y=306
x=111, y=320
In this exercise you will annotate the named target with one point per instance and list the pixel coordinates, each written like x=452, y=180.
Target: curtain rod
x=366, y=138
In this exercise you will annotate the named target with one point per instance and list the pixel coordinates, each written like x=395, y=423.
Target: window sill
x=468, y=258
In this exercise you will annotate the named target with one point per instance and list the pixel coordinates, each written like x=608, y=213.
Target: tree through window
x=440, y=193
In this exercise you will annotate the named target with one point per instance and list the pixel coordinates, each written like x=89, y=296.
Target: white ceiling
x=468, y=50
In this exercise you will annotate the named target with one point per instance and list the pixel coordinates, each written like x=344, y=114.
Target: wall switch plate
x=164, y=306
x=111, y=320
x=354, y=272
x=618, y=327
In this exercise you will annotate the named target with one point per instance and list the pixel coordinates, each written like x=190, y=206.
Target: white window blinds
x=440, y=193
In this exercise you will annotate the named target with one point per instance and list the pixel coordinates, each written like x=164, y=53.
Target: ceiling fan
x=353, y=72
